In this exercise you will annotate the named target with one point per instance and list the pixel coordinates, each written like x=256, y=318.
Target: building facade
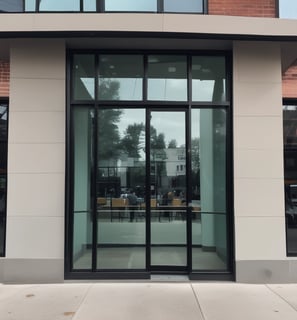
x=148, y=137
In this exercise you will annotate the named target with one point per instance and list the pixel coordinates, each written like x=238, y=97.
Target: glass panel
x=167, y=78
x=183, y=6
x=208, y=79
x=121, y=189
x=208, y=144
x=82, y=229
x=83, y=75
x=30, y=5
x=120, y=77
x=3, y=173
x=131, y=5
x=168, y=189
x=290, y=168
x=58, y=5
x=90, y=5
x=11, y=6
x=287, y=9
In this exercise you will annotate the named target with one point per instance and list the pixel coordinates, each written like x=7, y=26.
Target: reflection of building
x=175, y=161
x=215, y=69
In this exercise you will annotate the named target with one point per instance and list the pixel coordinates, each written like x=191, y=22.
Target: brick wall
x=4, y=78
x=250, y=8
x=290, y=82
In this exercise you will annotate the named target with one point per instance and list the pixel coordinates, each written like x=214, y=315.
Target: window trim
x=4, y=100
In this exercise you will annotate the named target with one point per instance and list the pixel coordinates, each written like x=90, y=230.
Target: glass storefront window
x=290, y=174
x=137, y=187
x=193, y=6
x=83, y=77
x=120, y=77
x=82, y=215
x=3, y=173
x=11, y=5
x=209, y=224
x=131, y=5
x=167, y=78
x=208, y=79
x=58, y=5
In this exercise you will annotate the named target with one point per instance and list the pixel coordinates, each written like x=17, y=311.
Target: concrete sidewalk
x=148, y=301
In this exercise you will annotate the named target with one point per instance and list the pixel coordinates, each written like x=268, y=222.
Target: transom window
x=185, y=6
x=166, y=78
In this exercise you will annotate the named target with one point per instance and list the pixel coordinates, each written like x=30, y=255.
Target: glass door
x=168, y=191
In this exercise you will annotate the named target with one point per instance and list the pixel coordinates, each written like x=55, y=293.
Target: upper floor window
x=185, y=6
x=3, y=173
x=288, y=9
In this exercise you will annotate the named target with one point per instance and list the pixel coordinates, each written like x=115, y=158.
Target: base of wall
x=52, y=271
x=266, y=271
x=31, y=270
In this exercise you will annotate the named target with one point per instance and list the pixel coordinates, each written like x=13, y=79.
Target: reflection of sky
x=130, y=88
x=158, y=89
x=195, y=117
x=131, y=5
x=288, y=9
x=130, y=116
x=172, y=124
x=3, y=113
x=58, y=5
x=167, y=89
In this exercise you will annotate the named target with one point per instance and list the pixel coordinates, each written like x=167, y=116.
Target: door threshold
x=170, y=278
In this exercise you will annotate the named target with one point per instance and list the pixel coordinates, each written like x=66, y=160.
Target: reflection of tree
x=131, y=143
x=172, y=144
x=108, y=134
x=109, y=89
x=158, y=156
x=195, y=162
x=195, y=154
x=108, y=131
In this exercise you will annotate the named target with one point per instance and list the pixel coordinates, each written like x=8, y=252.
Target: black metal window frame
x=288, y=102
x=186, y=106
x=100, y=8
x=5, y=101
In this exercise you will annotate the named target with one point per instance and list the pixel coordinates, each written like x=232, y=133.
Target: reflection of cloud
x=171, y=124
x=130, y=116
x=167, y=89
